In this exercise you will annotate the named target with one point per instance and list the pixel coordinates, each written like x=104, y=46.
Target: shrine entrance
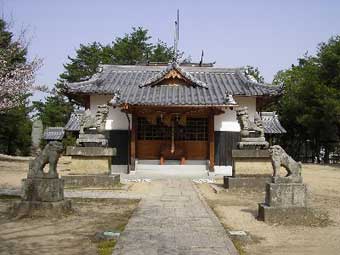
x=179, y=134
x=175, y=138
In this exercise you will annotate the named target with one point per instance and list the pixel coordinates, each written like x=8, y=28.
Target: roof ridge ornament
x=229, y=99
x=174, y=71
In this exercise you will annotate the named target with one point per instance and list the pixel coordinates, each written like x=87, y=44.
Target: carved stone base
x=251, y=163
x=43, y=190
x=248, y=183
x=285, y=203
x=256, y=145
x=90, y=140
x=289, y=215
x=286, y=195
x=40, y=209
x=90, y=160
x=289, y=179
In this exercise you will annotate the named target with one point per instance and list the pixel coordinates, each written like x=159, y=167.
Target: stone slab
x=249, y=183
x=40, y=209
x=286, y=195
x=251, y=167
x=90, y=151
x=290, y=215
x=90, y=165
x=91, y=136
x=250, y=154
x=91, y=180
x=42, y=189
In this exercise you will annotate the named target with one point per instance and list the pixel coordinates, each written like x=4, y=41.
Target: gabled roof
x=135, y=85
x=54, y=133
x=271, y=123
x=73, y=123
x=174, y=69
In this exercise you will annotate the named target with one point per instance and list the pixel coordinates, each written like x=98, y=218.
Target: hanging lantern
x=182, y=120
x=167, y=120
x=152, y=119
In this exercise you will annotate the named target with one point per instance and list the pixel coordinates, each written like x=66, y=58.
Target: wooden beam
x=174, y=110
x=133, y=142
x=211, y=138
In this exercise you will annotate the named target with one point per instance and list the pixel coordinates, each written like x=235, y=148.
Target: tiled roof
x=157, y=77
x=271, y=123
x=73, y=123
x=213, y=84
x=54, y=133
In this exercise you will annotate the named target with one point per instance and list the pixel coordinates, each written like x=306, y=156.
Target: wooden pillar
x=133, y=142
x=87, y=102
x=211, y=139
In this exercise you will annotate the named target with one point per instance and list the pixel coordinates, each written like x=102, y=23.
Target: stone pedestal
x=41, y=197
x=286, y=195
x=90, y=160
x=92, y=140
x=43, y=190
x=251, y=163
x=284, y=202
x=251, y=170
x=246, y=182
x=250, y=143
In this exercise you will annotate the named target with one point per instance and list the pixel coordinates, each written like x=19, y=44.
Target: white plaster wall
x=228, y=122
x=116, y=120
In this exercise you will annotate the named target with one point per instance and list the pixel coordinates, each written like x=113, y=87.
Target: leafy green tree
x=15, y=129
x=16, y=76
x=254, y=72
x=132, y=48
x=310, y=106
x=86, y=62
x=55, y=111
x=18, y=54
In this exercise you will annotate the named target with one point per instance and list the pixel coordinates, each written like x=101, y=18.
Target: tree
x=86, y=62
x=130, y=49
x=16, y=72
x=55, y=111
x=15, y=129
x=254, y=73
x=310, y=106
x=16, y=80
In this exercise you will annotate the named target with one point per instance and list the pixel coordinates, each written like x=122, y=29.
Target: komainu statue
x=252, y=133
x=88, y=120
x=49, y=155
x=280, y=158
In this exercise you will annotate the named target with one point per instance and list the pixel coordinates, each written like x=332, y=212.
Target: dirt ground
x=72, y=234
x=237, y=210
x=11, y=172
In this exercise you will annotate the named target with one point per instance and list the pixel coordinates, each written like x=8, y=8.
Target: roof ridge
x=173, y=66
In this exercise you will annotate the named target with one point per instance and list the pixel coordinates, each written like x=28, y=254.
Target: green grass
x=239, y=247
x=106, y=247
x=9, y=197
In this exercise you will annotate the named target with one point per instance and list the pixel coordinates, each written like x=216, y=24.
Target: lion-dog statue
x=88, y=120
x=246, y=125
x=280, y=158
x=49, y=155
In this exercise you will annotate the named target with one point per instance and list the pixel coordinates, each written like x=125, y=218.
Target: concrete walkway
x=174, y=219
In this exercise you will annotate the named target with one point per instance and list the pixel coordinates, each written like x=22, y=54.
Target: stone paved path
x=173, y=219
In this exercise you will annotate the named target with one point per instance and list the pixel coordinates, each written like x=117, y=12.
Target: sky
x=270, y=35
